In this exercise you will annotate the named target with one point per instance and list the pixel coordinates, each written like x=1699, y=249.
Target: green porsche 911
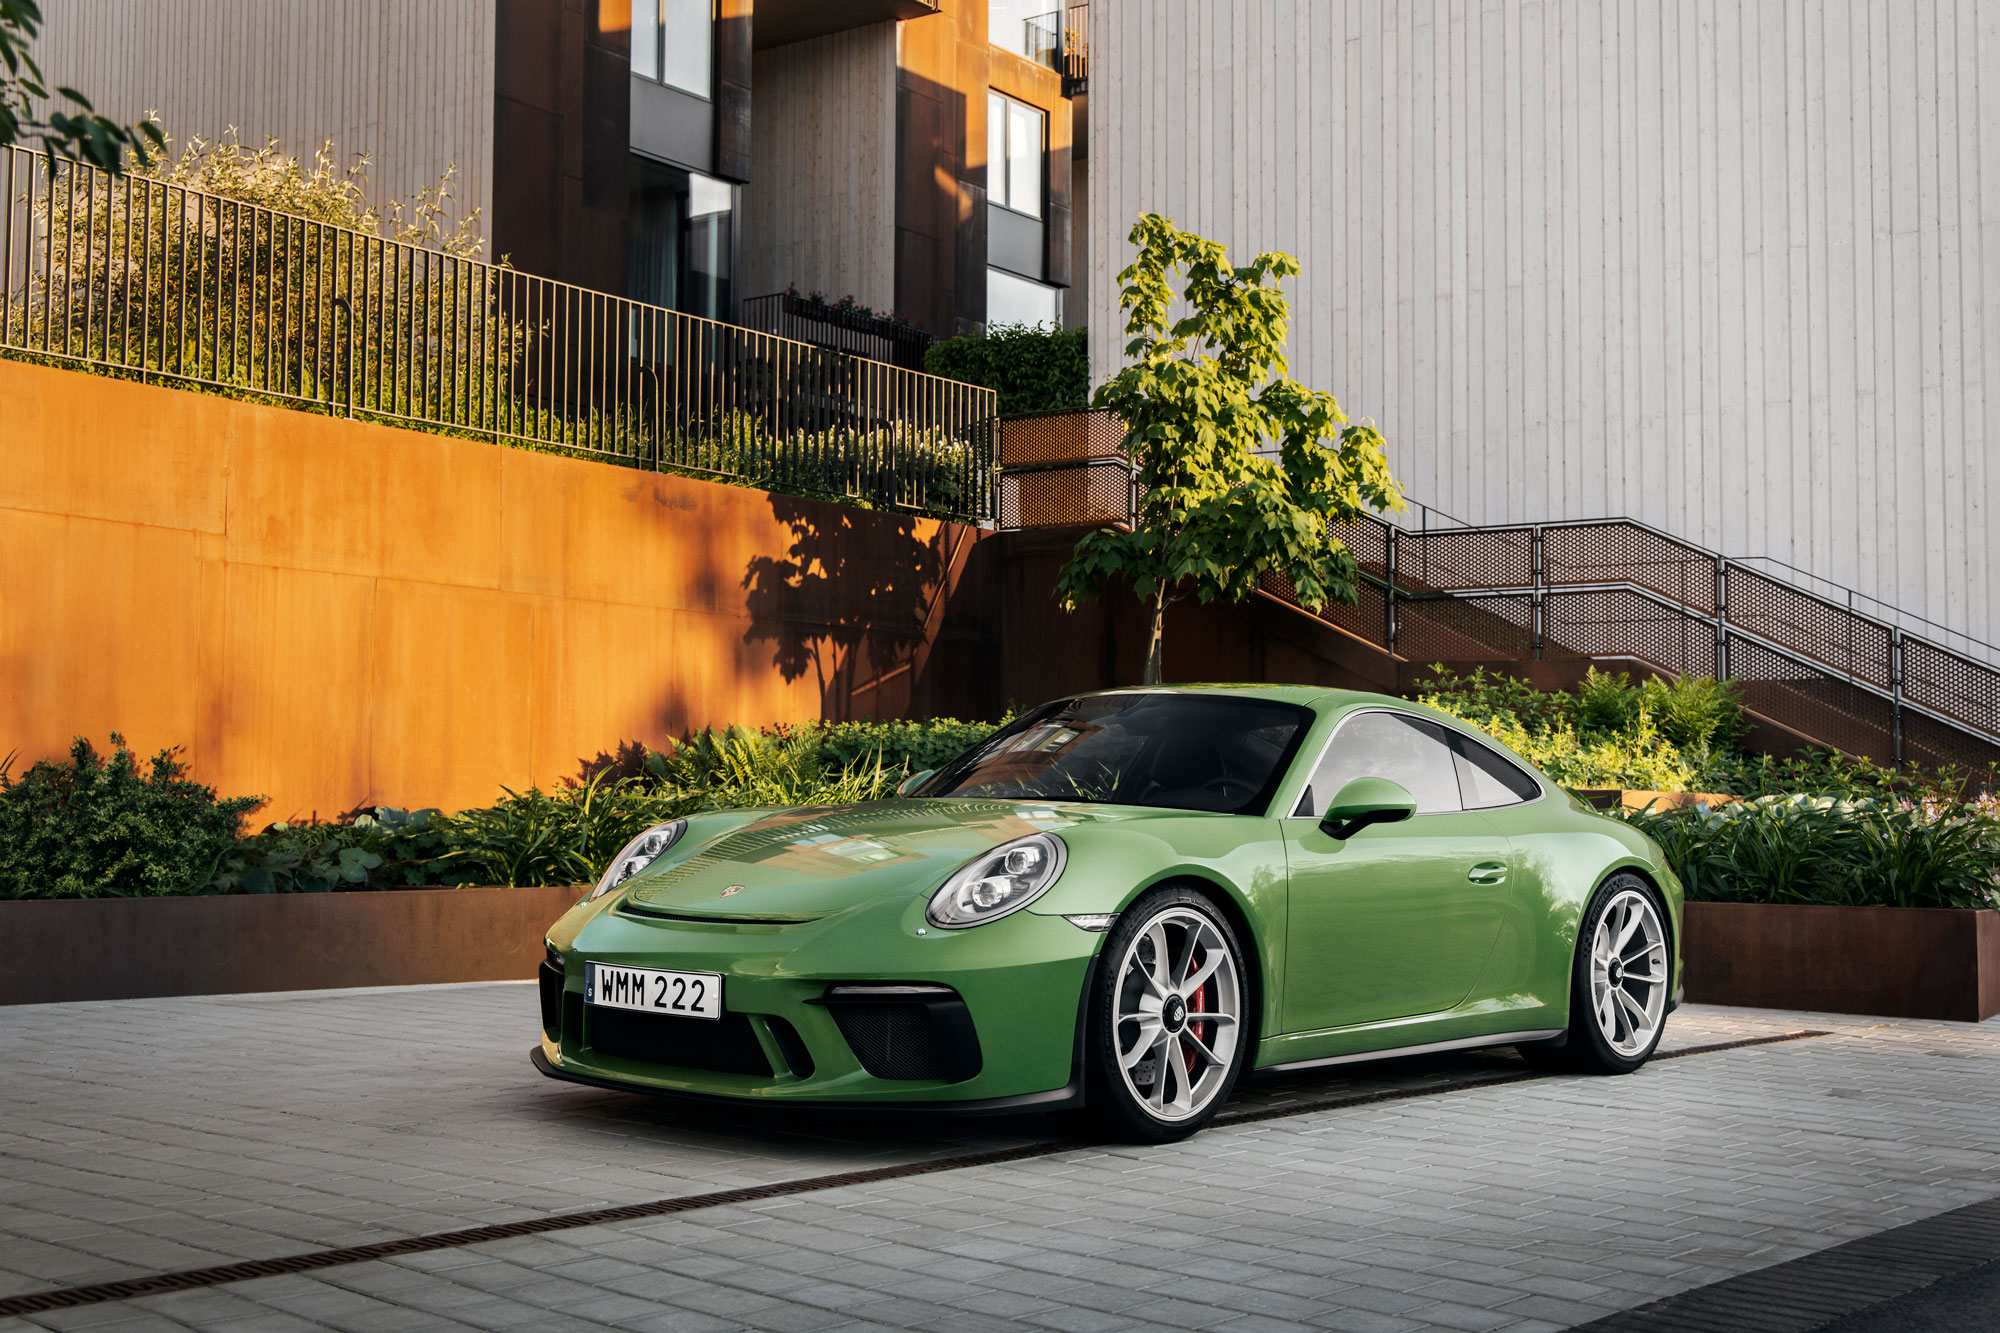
x=1124, y=901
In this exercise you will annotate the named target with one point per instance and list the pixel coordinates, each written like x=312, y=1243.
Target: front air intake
x=907, y=1032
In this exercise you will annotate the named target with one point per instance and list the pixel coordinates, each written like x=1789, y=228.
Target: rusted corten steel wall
x=337, y=614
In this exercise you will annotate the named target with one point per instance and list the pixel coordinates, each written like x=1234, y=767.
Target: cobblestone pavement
x=144, y=1136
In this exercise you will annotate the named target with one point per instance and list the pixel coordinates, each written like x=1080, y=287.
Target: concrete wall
x=410, y=85
x=820, y=212
x=1727, y=268
x=337, y=614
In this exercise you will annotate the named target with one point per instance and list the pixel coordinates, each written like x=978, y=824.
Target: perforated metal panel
x=1466, y=558
x=1813, y=701
x=1625, y=624
x=1059, y=437
x=1955, y=686
x=1368, y=539
x=1459, y=629
x=1928, y=741
x=1622, y=552
x=1366, y=619
x=1809, y=625
x=1096, y=493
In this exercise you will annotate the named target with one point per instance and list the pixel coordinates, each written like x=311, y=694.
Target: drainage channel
x=193, y=1279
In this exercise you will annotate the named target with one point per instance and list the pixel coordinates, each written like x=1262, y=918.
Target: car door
x=1399, y=919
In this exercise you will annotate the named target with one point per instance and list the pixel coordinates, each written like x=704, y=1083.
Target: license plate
x=653, y=990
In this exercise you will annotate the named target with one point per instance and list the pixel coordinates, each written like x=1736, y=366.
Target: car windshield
x=1181, y=751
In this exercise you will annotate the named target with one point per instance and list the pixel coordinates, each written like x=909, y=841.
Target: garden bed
x=1899, y=962
x=134, y=948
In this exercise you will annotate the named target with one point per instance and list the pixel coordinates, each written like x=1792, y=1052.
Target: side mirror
x=914, y=781
x=1366, y=801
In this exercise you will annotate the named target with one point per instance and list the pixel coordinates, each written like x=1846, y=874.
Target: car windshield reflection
x=1209, y=752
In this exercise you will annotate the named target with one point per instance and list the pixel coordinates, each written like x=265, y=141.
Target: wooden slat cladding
x=1730, y=269
x=410, y=85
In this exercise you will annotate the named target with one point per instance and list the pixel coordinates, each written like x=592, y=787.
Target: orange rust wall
x=336, y=614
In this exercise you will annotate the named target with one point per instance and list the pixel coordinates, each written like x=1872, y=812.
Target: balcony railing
x=137, y=277
x=838, y=328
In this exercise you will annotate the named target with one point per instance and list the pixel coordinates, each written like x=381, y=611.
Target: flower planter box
x=132, y=948
x=1900, y=962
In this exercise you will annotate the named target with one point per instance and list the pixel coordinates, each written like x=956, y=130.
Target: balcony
x=838, y=327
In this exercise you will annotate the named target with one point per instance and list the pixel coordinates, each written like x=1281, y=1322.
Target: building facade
x=1729, y=269
x=689, y=153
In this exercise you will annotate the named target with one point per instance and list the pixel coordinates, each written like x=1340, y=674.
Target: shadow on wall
x=857, y=603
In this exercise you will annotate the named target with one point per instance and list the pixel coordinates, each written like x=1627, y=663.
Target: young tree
x=80, y=132
x=1206, y=401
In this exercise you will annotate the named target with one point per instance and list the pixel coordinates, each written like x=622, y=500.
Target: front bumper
x=1001, y=1008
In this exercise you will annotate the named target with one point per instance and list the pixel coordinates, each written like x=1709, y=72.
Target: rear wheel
x=1166, y=1036
x=1618, y=986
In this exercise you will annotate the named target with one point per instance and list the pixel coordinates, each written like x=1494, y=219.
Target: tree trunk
x=1152, y=676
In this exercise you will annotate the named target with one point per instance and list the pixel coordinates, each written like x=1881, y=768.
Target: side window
x=1387, y=745
x=1486, y=780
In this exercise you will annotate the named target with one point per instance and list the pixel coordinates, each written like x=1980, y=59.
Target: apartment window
x=672, y=43
x=1012, y=299
x=1015, y=133
x=683, y=240
x=1031, y=28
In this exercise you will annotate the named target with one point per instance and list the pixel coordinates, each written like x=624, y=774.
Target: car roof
x=1317, y=697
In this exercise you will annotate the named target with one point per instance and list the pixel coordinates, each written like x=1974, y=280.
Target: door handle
x=1488, y=872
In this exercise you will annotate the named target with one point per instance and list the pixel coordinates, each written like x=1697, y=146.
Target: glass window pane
x=685, y=47
x=1024, y=159
x=646, y=38
x=1011, y=299
x=1028, y=28
x=1183, y=752
x=1486, y=780
x=996, y=148
x=1387, y=745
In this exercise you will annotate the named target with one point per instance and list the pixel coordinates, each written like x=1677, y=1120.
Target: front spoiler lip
x=1067, y=1097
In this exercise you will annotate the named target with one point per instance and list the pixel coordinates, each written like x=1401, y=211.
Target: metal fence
x=837, y=328
x=139, y=277
x=1605, y=589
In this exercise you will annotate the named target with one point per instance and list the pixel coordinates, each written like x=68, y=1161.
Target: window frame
x=993, y=198
x=661, y=33
x=1450, y=729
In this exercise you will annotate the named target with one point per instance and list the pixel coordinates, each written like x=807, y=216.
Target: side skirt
x=1424, y=1048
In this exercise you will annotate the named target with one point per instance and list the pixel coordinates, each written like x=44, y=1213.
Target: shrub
x=1560, y=733
x=1696, y=712
x=94, y=827
x=385, y=848
x=1032, y=370
x=1824, y=849
x=1607, y=702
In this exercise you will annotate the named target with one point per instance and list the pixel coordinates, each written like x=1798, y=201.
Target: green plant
x=1032, y=370
x=1696, y=712
x=380, y=849
x=1204, y=397
x=1832, y=850
x=1607, y=701
x=81, y=132
x=566, y=837
x=96, y=827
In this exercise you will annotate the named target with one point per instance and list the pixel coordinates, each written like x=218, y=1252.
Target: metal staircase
x=1610, y=590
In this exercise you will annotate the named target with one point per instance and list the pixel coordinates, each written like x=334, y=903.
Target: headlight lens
x=995, y=883
x=639, y=853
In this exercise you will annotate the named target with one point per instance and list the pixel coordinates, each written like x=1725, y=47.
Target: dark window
x=1395, y=746
x=1181, y=751
x=1486, y=780
x=683, y=240
x=671, y=43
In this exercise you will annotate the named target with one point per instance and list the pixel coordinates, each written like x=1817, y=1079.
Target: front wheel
x=1166, y=1036
x=1619, y=986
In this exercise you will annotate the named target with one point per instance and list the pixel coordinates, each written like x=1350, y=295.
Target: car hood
x=797, y=865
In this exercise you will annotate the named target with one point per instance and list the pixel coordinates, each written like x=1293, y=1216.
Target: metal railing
x=1605, y=589
x=134, y=276
x=1074, y=62
x=837, y=328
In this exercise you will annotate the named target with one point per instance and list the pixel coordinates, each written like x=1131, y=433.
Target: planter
x=133, y=948
x=1616, y=798
x=1901, y=962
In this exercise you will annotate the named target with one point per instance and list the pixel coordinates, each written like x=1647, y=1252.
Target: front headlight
x=995, y=883
x=639, y=853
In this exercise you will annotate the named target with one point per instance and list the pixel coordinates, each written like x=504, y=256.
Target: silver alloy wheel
x=1179, y=1014
x=1628, y=972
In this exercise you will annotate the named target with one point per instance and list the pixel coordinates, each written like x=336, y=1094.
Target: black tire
x=1113, y=1099
x=1586, y=1048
